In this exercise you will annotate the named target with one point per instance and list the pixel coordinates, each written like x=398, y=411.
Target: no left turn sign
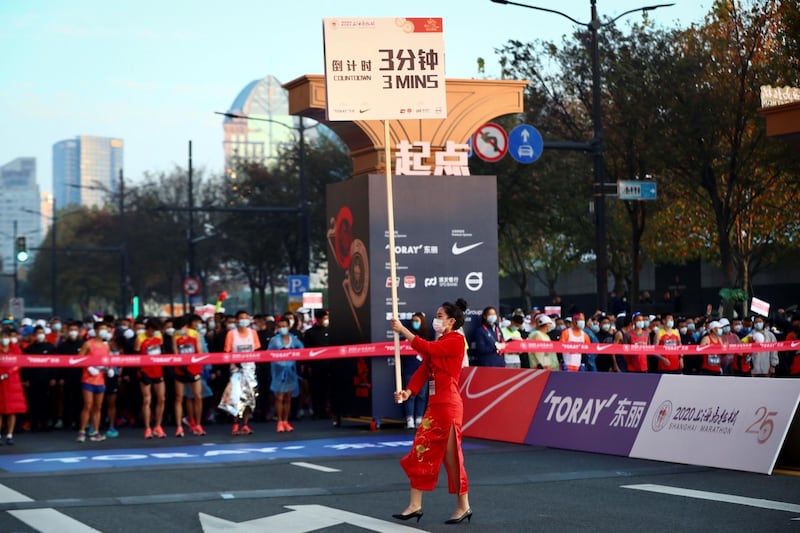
x=191, y=286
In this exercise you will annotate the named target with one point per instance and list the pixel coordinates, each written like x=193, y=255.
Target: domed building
x=269, y=126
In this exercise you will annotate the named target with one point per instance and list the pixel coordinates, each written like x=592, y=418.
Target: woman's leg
x=160, y=391
x=179, y=403
x=146, y=400
x=196, y=413
x=87, y=408
x=97, y=408
x=11, y=421
x=111, y=409
x=454, y=464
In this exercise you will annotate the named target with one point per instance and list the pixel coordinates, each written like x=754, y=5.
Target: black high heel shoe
x=417, y=514
x=466, y=516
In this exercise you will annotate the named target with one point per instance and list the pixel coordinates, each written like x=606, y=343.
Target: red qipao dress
x=12, y=396
x=439, y=371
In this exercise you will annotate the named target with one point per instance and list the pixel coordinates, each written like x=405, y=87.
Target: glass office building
x=86, y=170
x=20, y=202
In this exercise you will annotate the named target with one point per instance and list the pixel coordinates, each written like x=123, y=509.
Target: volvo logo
x=474, y=281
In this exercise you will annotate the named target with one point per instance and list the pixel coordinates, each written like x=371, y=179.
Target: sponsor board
x=724, y=422
x=499, y=403
x=591, y=411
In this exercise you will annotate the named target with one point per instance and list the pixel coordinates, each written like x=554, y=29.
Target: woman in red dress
x=12, y=397
x=438, y=438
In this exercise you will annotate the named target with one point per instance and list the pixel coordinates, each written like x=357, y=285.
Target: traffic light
x=22, y=250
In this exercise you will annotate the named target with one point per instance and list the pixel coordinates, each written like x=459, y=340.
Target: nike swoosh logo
x=76, y=360
x=458, y=250
x=314, y=353
x=794, y=344
x=363, y=110
x=601, y=347
x=196, y=359
x=702, y=348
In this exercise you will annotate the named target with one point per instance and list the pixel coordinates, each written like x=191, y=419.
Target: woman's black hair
x=455, y=311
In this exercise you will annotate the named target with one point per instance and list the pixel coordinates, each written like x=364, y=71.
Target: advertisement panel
x=724, y=422
x=445, y=246
x=349, y=280
x=592, y=412
x=499, y=403
x=384, y=68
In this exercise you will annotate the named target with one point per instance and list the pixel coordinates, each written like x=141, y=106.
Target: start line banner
x=376, y=349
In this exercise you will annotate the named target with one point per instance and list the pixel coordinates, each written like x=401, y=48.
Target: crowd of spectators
x=489, y=339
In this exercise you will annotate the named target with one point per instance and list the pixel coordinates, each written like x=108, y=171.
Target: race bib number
x=185, y=348
x=154, y=350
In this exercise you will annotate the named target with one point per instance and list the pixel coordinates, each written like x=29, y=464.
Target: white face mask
x=605, y=327
x=438, y=325
x=105, y=334
x=581, y=324
x=40, y=337
x=244, y=323
x=5, y=341
x=491, y=319
x=72, y=334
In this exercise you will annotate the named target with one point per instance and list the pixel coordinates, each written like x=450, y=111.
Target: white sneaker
x=419, y=421
x=410, y=422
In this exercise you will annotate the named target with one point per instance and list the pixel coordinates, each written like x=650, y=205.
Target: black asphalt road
x=512, y=488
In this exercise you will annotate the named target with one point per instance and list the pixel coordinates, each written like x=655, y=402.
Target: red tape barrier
x=303, y=354
x=689, y=349
x=375, y=350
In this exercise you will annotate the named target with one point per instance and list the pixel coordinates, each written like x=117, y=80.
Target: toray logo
x=407, y=250
x=576, y=410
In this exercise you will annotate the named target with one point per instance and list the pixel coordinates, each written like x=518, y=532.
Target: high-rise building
x=20, y=203
x=258, y=139
x=86, y=170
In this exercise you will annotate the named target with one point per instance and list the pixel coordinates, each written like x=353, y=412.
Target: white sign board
x=759, y=306
x=384, y=68
x=312, y=300
x=724, y=422
x=16, y=307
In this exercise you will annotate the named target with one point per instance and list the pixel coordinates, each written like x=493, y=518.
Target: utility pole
x=190, y=233
x=53, y=300
x=16, y=265
x=123, y=265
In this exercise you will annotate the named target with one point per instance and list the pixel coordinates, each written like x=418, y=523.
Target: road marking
x=42, y=520
x=301, y=519
x=312, y=466
x=717, y=497
x=51, y=521
x=8, y=495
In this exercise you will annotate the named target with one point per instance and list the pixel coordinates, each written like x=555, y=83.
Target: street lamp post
x=304, y=211
x=596, y=144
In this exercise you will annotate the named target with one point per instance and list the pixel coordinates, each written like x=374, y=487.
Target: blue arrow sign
x=636, y=190
x=525, y=144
